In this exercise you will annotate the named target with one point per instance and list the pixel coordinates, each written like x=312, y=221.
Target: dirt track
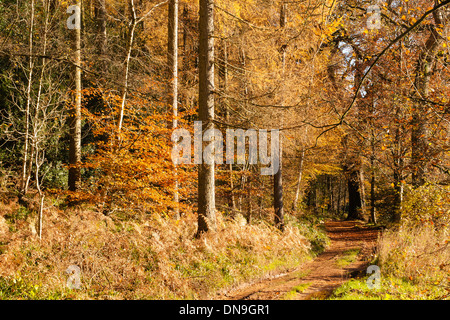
x=317, y=278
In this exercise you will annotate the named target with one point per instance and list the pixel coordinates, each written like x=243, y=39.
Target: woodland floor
x=352, y=245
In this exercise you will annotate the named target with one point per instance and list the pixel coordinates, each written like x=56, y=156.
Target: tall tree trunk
x=278, y=177
x=206, y=187
x=419, y=132
x=126, y=68
x=249, y=200
x=299, y=180
x=353, y=162
x=373, y=218
x=261, y=197
x=398, y=171
x=223, y=87
x=26, y=164
x=75, y=114
x=278, y=195
x=36, y=125
x=172, y=62
x=344, y=196
x=354, y=196
x=338, y=208
x=362, y=190
x=101, y=25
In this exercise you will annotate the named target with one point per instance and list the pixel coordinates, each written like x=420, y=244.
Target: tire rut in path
x=320, y=276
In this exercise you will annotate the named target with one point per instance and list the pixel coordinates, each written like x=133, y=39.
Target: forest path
x=352, y=244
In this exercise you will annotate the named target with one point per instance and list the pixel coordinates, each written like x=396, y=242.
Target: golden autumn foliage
x=133, y=170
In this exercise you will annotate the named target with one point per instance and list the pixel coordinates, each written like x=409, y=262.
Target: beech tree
x=424, y=70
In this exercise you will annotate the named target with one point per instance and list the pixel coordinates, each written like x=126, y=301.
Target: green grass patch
x=391, y=288
x=313, y=228
x=348, y=258
x=147, y=257
x=297, y=289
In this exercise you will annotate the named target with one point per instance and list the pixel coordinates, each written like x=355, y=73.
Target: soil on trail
x=352, y=245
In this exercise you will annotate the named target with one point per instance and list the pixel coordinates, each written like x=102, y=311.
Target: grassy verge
x=413, y=263
x=391, y=288
x=348, y=257
x=141, y=257
x=295, y=290
x=414, y=256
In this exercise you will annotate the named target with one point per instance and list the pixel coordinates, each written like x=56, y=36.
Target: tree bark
x=249, y=200
x=101, y=25
x=354, y=196
x=338, y=208
x=206, y=187
x=362, y=190
x=278, y=196
x=134, y=20
x=172, y=62
x=223, y=87
x=126, y=68
x=373, y=218
x=419, y=143
x=26, y=164
x=299, y=180
x=278, y=177
x=36, y=124
x=398, y=167
x=75, y=114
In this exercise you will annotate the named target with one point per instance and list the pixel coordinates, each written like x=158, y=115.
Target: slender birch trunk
x=299, y=180
x=126, y=69
x=26, y=166
x=75, y=114
x=172, y=62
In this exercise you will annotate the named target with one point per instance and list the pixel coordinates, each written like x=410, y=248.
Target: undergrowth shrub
x=419, y=250
x=143, y=256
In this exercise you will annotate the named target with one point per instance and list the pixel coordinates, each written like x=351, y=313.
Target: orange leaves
x=134, y=172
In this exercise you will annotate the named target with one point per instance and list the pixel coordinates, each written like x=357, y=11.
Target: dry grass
x=143, y=257
x=414, y=257
x=418, y=253
x=419, y=249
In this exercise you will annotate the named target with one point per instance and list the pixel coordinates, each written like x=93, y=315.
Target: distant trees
x=389, y=106
x=293, y=66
